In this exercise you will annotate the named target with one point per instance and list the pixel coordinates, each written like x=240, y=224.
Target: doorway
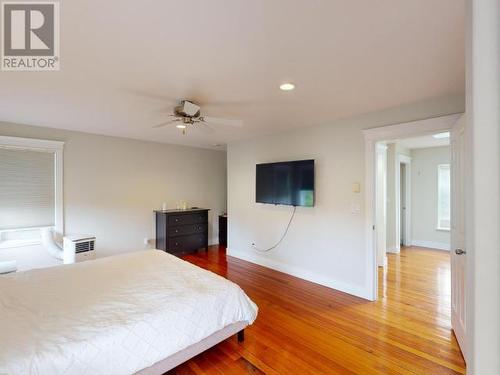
x=405, y=234
x=403, y=201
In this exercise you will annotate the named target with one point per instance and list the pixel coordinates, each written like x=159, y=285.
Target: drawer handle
x=177, y=244
x=177, y=230
x=176, y=219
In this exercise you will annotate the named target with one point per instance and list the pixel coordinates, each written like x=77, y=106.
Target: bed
x=144, y=312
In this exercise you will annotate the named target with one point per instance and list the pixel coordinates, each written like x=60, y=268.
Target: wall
x=424, y=197
x=112, y=185
x=326, y=243
x=393, y=152
x=483, y=187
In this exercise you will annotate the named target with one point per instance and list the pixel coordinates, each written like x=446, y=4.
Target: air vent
x=78, y=248
x=84, y=246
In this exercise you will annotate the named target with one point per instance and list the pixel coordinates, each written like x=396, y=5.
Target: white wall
x=424, y=197
x=483, y=187
x=326, y=243
x=112, y=185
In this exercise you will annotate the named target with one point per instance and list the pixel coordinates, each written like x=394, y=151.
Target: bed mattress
x=115, y=315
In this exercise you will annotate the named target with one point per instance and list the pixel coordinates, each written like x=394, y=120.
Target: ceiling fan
x=188, y=115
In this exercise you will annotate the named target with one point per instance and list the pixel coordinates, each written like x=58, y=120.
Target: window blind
x=27, y=189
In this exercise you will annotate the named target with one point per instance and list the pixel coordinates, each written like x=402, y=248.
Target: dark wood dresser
x=182, y=231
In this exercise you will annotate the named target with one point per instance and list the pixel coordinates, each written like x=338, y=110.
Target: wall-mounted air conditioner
x=78, y=248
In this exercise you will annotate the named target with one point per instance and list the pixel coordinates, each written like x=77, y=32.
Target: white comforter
x=114, y=315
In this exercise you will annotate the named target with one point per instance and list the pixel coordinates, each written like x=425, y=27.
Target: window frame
x=439, y=168
x=42, y=145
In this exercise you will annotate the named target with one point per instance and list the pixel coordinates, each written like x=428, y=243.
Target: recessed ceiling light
x=180, y=126
x=287, y=86
x=441, y=135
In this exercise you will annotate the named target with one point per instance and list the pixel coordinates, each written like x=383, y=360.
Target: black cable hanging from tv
x=282, y=237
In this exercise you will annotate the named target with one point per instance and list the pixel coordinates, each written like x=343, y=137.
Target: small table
x=223, y=230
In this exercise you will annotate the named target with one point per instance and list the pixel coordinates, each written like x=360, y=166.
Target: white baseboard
x=432, y=244
x=301, y=273
x=385, y=262
x=393, y=249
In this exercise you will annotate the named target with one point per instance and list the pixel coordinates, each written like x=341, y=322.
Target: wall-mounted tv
x=288, y=183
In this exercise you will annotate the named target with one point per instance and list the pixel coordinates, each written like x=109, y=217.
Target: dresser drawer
x=187, y=229
x=195, y=218
x=186, y=243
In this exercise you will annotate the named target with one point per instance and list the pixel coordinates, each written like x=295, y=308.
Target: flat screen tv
x=288, y=183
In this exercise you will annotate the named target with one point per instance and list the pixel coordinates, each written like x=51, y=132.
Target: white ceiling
x=125, y=63
x=423, y=142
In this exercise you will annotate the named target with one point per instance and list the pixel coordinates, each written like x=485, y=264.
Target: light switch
x=355, y=208
x=356, y=187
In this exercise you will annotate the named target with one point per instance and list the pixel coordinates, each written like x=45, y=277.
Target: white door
x=458, y=251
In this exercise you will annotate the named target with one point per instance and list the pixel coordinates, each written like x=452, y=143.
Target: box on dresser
x=182, y=231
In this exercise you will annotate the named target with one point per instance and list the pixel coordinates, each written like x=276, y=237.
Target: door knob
x=460, y=252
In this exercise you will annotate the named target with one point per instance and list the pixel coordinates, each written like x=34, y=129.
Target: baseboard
x=431, y=244
x=393, y=249
x=385, y=262
x=301, y=273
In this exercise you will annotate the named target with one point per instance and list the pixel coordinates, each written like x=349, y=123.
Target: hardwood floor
x=304, y=328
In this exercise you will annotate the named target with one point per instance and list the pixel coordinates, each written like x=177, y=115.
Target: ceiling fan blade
x=166, y=123
x=222, y=121
x=204, y=127
x=225, y=103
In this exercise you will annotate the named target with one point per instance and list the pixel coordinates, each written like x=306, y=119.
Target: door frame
x=381, y=220
x=388, y=133
x=406, y=160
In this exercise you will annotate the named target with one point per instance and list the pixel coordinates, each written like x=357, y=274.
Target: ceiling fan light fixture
x=187, y=115
x=287, y=86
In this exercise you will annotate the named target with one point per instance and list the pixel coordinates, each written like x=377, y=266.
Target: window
x=443, y=197
x=30, y=189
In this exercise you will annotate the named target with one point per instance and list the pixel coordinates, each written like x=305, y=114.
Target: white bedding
x=114, y=315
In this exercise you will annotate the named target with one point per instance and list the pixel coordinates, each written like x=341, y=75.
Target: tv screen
x=289, y=183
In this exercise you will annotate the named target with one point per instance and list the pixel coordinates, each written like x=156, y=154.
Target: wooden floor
x=304, y=328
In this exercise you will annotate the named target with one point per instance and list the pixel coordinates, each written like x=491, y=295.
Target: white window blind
x=27, y=188
x=443, y=196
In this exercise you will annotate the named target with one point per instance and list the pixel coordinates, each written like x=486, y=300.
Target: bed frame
x=191, y=351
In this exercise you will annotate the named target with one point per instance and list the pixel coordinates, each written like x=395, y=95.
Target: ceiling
x=125, y=63
x=423, y=142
